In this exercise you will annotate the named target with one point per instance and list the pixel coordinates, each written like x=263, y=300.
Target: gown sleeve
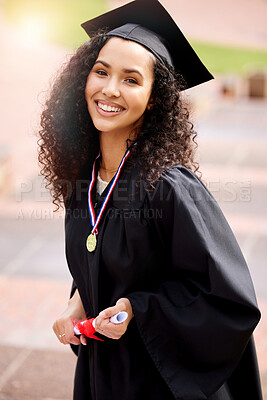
x=196, y=324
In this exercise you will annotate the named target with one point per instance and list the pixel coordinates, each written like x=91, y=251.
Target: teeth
x=108, y=108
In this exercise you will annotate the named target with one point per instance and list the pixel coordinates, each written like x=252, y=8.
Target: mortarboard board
x=148, y=23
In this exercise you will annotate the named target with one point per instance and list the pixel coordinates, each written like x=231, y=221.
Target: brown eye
x=101, y=72
x=130, y=80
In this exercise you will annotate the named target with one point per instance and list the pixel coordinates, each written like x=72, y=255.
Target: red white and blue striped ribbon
x=95, y=222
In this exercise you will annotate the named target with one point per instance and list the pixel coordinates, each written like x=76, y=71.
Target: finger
x=58, y=328
x=104, y=325
x=112, y=330
x=64, y=332
x=70, y=334
x=107, y=333
x=112, y=334
x=62, y=338
x=100, y=325
x=109, y=312
x=83, y=340
x=75, y=340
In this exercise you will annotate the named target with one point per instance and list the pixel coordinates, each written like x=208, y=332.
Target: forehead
x=127, y=54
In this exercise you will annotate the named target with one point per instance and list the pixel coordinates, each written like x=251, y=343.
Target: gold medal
x=91, y=242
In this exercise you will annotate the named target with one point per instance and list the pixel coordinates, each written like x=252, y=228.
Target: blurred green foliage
x=225, y=59
x=61, y=17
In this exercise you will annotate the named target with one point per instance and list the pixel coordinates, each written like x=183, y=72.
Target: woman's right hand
x=63, y=326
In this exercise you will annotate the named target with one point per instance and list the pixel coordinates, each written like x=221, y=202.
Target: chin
x=103, y=125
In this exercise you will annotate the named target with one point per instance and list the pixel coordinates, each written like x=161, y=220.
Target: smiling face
x=119, y=86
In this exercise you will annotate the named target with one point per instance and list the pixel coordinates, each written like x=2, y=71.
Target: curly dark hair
x=68, y=138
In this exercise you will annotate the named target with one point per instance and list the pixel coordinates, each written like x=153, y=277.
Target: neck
x=113, y=148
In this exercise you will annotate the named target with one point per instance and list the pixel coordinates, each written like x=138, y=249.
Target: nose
x=111, y=88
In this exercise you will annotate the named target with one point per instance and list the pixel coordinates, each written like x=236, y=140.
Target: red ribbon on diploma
x=86, y=328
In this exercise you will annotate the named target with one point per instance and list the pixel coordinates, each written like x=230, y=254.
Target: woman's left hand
x=107, y=328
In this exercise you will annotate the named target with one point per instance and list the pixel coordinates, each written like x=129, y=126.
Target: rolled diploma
x=117, y=318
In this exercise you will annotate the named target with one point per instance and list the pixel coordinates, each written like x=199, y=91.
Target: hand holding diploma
x=112, y=330
x=111, y=322
x=87, y=326
x=63, y=326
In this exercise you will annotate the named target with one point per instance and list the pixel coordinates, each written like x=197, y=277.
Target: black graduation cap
x=149, y=24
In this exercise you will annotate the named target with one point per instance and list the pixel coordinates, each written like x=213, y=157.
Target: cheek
x=141, y=103
x=88, y=88
x=91, y=87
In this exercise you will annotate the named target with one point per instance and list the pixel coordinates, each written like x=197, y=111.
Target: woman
x=143, y=234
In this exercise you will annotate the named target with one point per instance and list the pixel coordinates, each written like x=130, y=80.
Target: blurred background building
x=230, y=116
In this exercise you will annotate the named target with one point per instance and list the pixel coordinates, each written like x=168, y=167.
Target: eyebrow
x=125, y=70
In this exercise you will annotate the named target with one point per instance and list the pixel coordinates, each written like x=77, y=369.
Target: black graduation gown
x=171, y=252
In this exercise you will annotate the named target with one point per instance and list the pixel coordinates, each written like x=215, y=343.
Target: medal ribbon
x=94, y=222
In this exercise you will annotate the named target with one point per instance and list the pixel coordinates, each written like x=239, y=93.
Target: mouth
x=108, y=109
